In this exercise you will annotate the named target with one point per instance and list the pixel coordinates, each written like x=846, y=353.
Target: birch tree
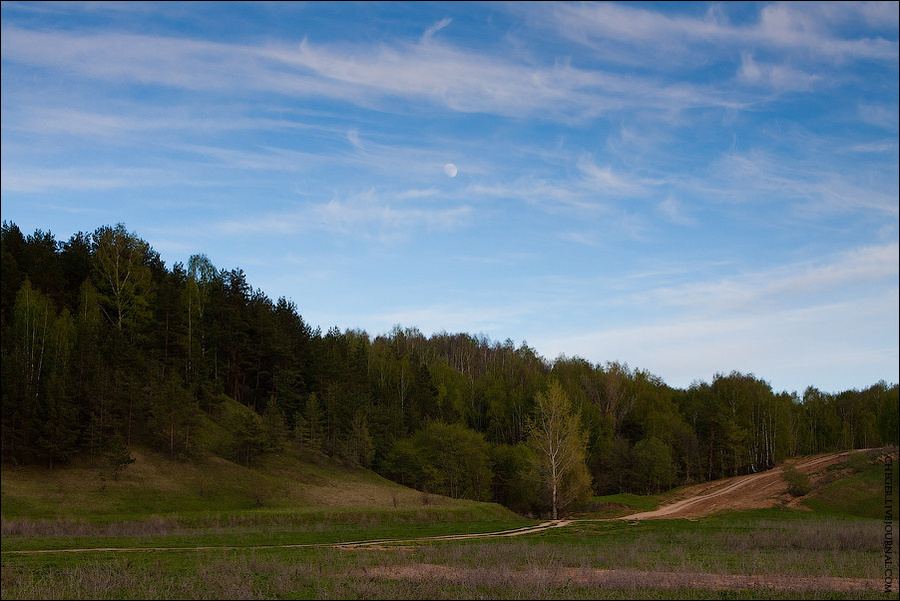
x=556, y=436
x=201, y=276
x=122, y=275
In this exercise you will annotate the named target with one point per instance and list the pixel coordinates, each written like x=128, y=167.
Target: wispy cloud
x=880, y=115
x=429, y=33
x=549, y=195
x=127, y=121
x=808, y=31
x=882, y=146
x=182, y=63
x=604, y=180
x=48, y=180
x=373, y=215
x=776, y=345
x=266, y=158
x=673, y=210
x=467, y=82
x=779, y=78
x=787, y=26
x=761, y=177
x=755, y=292
x=386, y=221
x=428, y=70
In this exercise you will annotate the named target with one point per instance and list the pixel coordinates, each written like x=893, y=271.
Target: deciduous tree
x=122, y=275
x=556, y=436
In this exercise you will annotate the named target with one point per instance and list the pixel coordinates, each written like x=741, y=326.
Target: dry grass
x=152, y=526
x=629, y=580
x=329, y=576
x=819, y=535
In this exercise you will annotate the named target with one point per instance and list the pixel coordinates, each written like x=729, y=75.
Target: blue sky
x=688, y=188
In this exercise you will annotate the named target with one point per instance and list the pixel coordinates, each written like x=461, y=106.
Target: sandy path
x=754, y=491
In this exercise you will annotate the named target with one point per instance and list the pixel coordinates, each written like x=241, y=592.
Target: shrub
x=798, y=482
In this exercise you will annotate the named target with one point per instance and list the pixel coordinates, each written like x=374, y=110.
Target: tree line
x=104, y=347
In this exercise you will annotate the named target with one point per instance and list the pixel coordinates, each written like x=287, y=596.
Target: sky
x=686, y=188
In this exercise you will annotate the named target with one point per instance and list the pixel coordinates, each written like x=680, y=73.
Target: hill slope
x=284, y=487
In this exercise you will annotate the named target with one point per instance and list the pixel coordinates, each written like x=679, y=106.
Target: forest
x=104, y=348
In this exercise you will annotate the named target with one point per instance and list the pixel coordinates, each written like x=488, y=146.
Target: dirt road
x=754, y=491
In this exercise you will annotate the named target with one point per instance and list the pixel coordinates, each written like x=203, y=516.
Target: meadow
x=294, y=549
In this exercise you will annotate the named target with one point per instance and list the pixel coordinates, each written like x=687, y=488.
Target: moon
x=451, y=170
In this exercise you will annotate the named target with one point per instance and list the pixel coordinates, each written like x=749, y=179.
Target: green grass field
x=269, y=532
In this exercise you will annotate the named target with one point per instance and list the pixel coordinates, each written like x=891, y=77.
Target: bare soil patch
x=619, y=579
x=754, y=491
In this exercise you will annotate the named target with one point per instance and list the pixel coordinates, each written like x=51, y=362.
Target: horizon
x=687, y=188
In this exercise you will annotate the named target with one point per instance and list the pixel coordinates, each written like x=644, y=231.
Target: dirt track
x=754, y=491
x=348, y=545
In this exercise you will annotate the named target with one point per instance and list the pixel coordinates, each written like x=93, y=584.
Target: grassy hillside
x=281, y=488
x=287, y=487
x=856, y=487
